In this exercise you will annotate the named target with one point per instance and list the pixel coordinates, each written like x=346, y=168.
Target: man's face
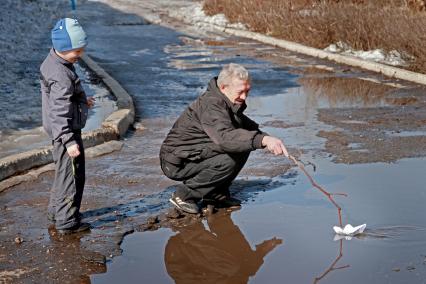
x=237, y=91
x=72, y=55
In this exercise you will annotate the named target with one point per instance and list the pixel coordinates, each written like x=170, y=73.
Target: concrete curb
x=113, y=127
x=386, y=70
x=17, y=163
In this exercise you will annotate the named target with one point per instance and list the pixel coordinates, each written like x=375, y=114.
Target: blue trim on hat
x=60, y=38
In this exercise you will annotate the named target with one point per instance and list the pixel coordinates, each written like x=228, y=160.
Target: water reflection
x=219, y=254
x=344, y=92
x=333, y=266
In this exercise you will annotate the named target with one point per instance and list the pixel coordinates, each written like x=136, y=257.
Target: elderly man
x=211, y=141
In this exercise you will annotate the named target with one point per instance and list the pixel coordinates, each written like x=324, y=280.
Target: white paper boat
x=339, y=237
x=348, y=230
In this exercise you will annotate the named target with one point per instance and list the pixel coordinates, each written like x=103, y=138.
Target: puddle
x=294, y=107
x=105, y=102
x=355, y=146
x=341, y=92
x=405, y=133
x=136, y=265
x=286, y=233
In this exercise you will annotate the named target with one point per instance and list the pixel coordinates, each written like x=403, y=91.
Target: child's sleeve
x=61, y=114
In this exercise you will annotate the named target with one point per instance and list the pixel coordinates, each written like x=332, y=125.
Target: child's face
x=71, y=55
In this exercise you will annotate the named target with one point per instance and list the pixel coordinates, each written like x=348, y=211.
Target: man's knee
x=169, y=169
x=225, y=163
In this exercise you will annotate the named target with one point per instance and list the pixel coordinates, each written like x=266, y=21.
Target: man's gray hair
x=230, y=72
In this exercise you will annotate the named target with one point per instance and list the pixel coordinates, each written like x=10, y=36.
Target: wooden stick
x=329, y=195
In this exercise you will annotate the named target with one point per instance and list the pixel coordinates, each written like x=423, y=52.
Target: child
x=65, y=108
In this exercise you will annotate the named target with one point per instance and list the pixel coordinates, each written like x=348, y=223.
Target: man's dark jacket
x=211, y=125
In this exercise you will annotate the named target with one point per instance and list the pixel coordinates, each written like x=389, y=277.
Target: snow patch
x=393, y=57
x=194, y=14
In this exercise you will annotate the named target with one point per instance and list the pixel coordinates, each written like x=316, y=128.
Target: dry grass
x=363, y=24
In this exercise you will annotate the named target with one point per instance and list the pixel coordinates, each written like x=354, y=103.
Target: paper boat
x=348, y=230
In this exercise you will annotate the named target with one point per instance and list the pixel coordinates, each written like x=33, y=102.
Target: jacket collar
x=213, y=88
x=59, y=59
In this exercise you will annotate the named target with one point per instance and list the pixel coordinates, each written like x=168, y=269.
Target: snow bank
x=393, y=57
x=194, y=14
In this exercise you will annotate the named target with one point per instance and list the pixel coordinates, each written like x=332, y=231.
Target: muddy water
x=286, y=233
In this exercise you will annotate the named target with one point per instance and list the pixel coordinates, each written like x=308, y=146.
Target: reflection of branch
x=329, y=195
x=332, y=268
x=339, y=212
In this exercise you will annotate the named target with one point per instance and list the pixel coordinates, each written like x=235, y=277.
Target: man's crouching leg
x=221, y=197
x=202, y=177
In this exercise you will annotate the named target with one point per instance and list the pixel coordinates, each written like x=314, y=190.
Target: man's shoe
x=229, y=202
x=80, y=227
x=51, y=218
x=223, y=202
x=188, y=206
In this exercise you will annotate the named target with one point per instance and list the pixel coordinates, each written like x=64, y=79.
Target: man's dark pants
x=206, y=178
x=68, y=186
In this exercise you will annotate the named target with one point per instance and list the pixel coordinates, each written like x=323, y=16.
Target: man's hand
x=73, y=151
x=274, y=145
x=90, y=102
x=267, y=246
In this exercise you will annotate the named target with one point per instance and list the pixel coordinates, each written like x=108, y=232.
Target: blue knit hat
x=68, y=35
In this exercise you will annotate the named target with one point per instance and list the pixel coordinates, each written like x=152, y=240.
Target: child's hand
x=90, y=102
x=73, y=151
